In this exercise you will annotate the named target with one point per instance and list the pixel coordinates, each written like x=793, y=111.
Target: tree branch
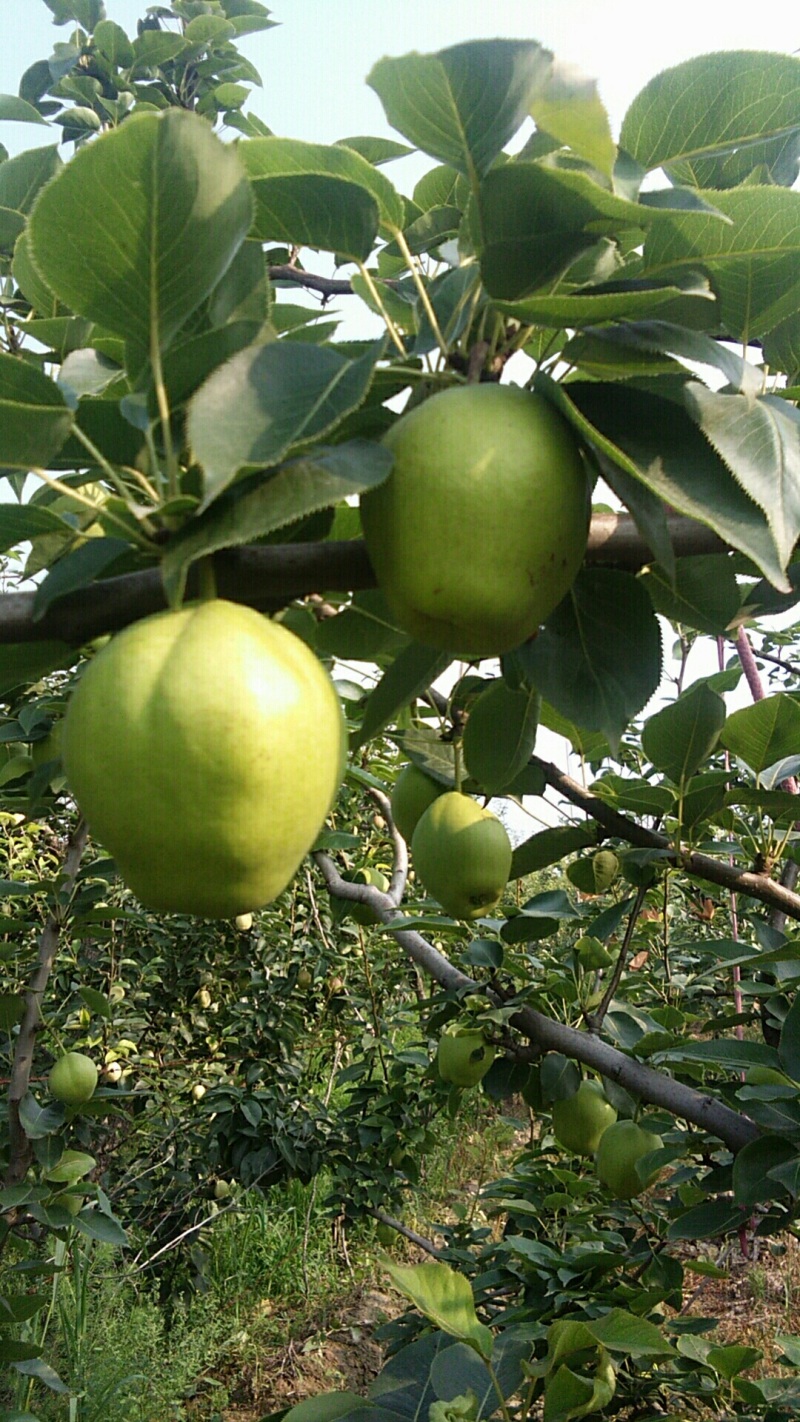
x=702, y=1110
x=268, y=578
x=702, y=866
x=20, y=1147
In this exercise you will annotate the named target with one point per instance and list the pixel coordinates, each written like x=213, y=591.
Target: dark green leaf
x=26, y=662
x=19, y=522
x=682, y=736
x=412, y=672
x=708, y=1221
x=95, y=1225
x=12, y=1010
x=500, y=735
x=549, y=847
x=34, y=418
x=38, y=1121
x=751, y=1183
x=789, y=1048
x=18, y=111
x=764, y=733
x=170, y=207
x=598, y=659
x=363, y=632
x=657, y=442
x=703, y=593
x=267, y=398
x=76, y=570
x=688, y=298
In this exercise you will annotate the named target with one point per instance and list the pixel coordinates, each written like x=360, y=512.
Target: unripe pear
x=615, y=1162
x=462, y=854
x=580, y=1120
x=413, y=792
x=606, y=868
x=463, y=1056
x=73, y=1078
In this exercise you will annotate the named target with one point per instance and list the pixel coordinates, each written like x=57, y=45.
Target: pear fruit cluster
x=586, y=1124
x=481, y=526
x=205, y=747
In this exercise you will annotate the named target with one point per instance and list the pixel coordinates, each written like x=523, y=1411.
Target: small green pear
x=463, y=1056
x=462, y=854
x=413, y=792
x=362, y=913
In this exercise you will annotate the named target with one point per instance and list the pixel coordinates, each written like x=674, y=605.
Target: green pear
x=463, y=1056
x=481, y=527
x=621, y=1145
x=462, y=854
x=73, y=1078
x=580, y=1120
x=205, y=747
x=413, y=792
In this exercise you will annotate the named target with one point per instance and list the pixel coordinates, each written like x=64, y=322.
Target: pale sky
x=314, y=65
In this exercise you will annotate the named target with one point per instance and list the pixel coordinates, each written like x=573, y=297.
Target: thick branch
x=269, y=577
x=20, y=1146
x=702, y=866
x=704, y=1111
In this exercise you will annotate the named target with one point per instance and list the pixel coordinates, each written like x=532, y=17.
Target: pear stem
x=458, y=765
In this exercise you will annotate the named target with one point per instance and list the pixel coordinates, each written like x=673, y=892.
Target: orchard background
x=207, y=332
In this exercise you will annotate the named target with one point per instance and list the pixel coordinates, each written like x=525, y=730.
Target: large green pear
x=480, y=528
x=462, y=854
x=621, y=1145
x=205, y=747
x=463, y=1056
x=413, y=792
x=580, y=1120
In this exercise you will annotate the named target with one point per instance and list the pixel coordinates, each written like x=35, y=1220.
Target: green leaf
x=308, y=194
x=722, y=1052
x=375, y=150
x=316, y=480
x=76, y=570
x=265, y=399
x=536, y=221
x=328, y=1407
x=656, y=441
x=682, y=736
x=111, y=41
x=703, y=593
x=95, y=1225
x=34, y=418
x=759, y=441
x=634, y=797
x=12, y=1010
x=688, y=299
x=415, y=669
x=96, y=1002
x=38, y=1121
x=598, y=659
x=18, y=111
x=751, y=1183
x=789, y=1047
x=570, y=109
x=764, y=733
x=733, y=1359
x=153, y=48
x=625, y=1333
x=445, y=1298
x=549, y=846
x=712, y=104
x=500, y=735
x=462, y=104
x=24, y=662
x=708, y=1221
x=20, y=522
x=753, y=261
x=170, y=207
x=72, y=1166
x=365, y=631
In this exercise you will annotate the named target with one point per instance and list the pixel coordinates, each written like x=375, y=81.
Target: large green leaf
x=536, y=221
x=703, y=593
x=764, y=733
x=500, y=735
x=21, y=178
x=313, y=195
x=267, y=398
x=20, y=522
x=751, y=1182
x=415, y=669
x=682, y=736
x=570, y=109
x=170, y=207
x=34, y=418
x=656, y=441
x=687, y=299
x=444, y=1297
x=463, y=104
x=316, y=480
x=753, y=261
x=598, y=658
x=18, y=110
x=712, y=104
x=759, y=441
x=549, y=846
